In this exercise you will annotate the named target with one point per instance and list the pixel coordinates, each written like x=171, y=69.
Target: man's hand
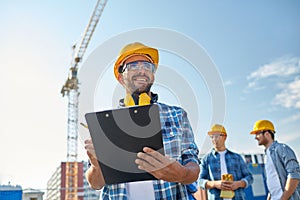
x=88, y=145
x=165, y=168
x=238, y=184
x=214, y=184
x=90, y=150
x=225, y=185
x=94, y=173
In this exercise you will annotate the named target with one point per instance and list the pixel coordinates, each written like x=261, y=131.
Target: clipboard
x=119, y=134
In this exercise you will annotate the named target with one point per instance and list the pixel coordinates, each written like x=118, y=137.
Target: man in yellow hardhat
x=135, y=70
x=281, y=165
x=221, y=162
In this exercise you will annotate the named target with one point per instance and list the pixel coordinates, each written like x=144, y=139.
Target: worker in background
x=135, y=70
x=221, y=161
x=281, y=165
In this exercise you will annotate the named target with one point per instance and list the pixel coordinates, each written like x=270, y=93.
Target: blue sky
x=255, y=47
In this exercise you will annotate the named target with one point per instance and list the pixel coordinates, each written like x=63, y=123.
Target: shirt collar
x=272, y=146
x=214, y=152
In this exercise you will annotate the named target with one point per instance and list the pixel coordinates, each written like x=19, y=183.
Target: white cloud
x=255, y=86
x=281, y=67
x=289, y=97
x=286, y=83
x=290, y=119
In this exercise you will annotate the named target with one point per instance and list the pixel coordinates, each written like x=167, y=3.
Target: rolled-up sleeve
x=190, y=150
x=290, y=162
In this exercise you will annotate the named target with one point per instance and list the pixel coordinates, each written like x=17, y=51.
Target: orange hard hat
x=135, y=48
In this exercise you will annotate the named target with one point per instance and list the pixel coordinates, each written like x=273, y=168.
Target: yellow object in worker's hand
x=227, y=193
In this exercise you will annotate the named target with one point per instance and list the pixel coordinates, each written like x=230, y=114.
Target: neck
x=220, y=149
x=269, y=144
x=137, y=94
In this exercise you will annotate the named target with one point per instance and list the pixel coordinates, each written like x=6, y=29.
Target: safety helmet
x=217, y=128
x=262, y=125
x=135, y=48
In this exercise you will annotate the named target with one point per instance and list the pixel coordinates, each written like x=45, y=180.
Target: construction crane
x=71, y=89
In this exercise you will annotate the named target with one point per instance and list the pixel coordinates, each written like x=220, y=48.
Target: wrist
x=284, y=196
x=210, y=184
x=94, y=177
x=242, y=184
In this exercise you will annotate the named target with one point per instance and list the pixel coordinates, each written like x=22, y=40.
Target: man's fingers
x=88, y=141
x=143, y=165
x=156, y=159
x=89, y=147
x=158, y=156
x=154, y=153
x=148, y=162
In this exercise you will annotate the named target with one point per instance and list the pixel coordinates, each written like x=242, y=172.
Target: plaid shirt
x=178, y=139
x=210, y=170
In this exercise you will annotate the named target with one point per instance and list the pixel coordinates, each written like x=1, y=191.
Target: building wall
x=54, y=185
x=9, y=192
x=32, y=195
x=57, y=183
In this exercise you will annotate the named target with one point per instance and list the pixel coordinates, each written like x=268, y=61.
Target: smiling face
x=140, y=77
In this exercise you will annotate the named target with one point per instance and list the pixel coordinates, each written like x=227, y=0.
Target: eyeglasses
x=260, y=132
x=216, y=136
x=138, y=65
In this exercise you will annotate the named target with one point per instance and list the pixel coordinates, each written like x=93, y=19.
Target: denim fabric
x=210, y=170
x=286, y=164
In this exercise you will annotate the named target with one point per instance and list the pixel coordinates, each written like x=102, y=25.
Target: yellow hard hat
x=262, y=125
x=132, y=49
x=217, y=128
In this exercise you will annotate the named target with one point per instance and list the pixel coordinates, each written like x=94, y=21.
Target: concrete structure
x=32, y=194
x=56, y=186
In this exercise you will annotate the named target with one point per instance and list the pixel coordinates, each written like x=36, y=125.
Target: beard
x=145, y=89
x=261, y=142
x=142, y=88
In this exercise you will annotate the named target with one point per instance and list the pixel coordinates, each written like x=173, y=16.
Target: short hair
x=272, y=133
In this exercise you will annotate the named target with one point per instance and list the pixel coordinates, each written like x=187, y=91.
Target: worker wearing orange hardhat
x=135, y=49
x=135, y=69
x=219, y=162
x=137, y=85
x=281, y=165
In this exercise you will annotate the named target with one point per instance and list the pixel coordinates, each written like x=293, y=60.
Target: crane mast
x=71, y=89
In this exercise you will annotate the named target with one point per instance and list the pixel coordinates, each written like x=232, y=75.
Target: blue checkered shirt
x=178, y=139
x=210, y=170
